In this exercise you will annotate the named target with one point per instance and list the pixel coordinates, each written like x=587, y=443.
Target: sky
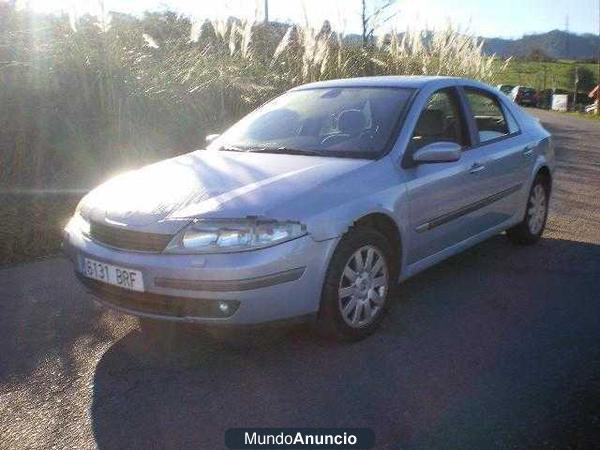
x=503, y=18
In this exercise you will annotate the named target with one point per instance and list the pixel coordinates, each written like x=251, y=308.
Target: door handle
x=476, y=167
x=528, y=151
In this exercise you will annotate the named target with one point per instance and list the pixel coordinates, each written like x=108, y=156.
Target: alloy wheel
x=363, y=286
x=536, y=211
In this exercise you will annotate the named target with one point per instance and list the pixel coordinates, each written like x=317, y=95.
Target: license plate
x=115, y=275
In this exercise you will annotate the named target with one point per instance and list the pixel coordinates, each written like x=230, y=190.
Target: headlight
x=77, y=224
x=221, y=236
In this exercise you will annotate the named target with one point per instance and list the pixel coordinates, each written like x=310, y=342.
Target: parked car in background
x=505, y=88
x=317, y=204
x=524, y=96
x=544, y=97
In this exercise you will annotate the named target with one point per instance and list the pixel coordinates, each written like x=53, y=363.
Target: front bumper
x=276, y=283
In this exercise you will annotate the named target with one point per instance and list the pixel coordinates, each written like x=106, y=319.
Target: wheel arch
x=387, y=226
x=543, y=169
x=546, y=174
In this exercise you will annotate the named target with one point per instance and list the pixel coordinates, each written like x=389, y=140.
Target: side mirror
x=443, y=151
x=210, y=138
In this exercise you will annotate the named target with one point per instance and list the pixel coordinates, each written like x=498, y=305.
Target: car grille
x=128, y=239
x=161, y=305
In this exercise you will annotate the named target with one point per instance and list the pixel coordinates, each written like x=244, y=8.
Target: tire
x=531, y=228
x=363, y=297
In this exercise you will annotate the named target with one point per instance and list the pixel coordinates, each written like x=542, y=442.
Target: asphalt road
x=496, y=348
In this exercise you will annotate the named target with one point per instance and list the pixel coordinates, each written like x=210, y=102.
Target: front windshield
x=355, y=122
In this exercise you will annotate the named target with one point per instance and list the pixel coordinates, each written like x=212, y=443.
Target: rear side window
x=488, y=115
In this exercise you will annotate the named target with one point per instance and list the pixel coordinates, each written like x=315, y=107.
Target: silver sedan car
x=316, y=204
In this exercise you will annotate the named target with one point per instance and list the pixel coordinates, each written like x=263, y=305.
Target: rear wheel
x=357, y=285
x=533, y=224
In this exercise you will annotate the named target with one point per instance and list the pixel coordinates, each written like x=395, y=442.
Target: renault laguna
x=316, y=205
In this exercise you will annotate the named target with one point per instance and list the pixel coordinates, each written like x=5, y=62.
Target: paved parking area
x=498, y=347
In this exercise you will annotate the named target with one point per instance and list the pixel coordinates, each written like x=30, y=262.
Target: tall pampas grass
x=443, y=52
x=163, y=82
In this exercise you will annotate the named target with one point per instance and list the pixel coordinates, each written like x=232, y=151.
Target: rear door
x=504, y=157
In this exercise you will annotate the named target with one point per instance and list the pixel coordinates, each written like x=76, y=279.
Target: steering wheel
x=333, y=139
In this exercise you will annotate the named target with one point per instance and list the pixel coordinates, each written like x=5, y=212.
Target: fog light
x=224, y=307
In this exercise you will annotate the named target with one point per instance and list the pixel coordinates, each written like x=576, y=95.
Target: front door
x=440, y=194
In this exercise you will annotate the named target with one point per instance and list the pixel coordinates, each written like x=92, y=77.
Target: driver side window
x=440, y=120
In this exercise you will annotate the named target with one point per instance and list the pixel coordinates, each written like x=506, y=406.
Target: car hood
x=163, y=197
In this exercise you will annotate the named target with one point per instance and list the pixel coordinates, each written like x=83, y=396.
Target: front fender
x=335, y=224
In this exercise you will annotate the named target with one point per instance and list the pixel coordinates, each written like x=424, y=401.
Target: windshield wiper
x=291, y=151
x=231, y=148
x=287, y=150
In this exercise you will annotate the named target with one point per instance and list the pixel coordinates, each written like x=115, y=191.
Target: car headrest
x=431, y=123
x=351, y=121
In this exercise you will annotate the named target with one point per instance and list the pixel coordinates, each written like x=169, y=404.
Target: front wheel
x=357, y=285
x=531, y=228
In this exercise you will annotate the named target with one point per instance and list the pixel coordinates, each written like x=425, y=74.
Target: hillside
x=555, y=44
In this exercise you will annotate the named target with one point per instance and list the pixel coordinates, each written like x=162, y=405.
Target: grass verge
x=32, y=224
x=584, y=115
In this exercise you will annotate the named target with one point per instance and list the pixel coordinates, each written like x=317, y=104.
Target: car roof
x=413, y=81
